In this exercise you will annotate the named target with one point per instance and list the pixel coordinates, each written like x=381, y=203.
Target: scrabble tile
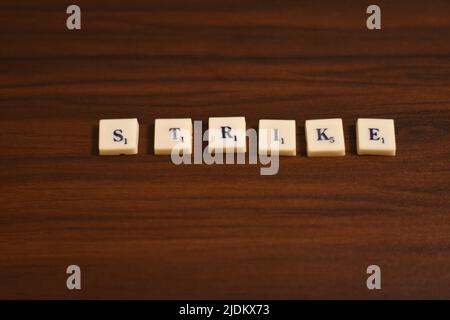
x=173, y=134
x=375, y=136
x=277, y=135
x=227, y=135
x=324, y=137
x=118, y=136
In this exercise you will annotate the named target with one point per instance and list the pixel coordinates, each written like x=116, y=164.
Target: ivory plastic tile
x=118, y=136
x=227, y=135
x=173, y=134
x=324, y=137
x=375, y=137
x=277, y=136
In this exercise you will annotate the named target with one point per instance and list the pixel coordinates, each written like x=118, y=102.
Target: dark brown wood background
x=141, y=227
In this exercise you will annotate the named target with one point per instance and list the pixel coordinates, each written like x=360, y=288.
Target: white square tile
x=227, y=135
x=375, y=137
x=324, y=137
x=118, y=136
x=277, y=136
x=173, y=134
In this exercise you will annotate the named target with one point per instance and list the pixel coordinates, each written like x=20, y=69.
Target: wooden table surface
x=142, y=227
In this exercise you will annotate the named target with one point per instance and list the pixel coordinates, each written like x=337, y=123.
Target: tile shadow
x=301, y=141
x=351, y=139
x=94, y=141
x=151, y=138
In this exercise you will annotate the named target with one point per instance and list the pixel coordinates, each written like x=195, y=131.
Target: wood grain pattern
x=141, y=227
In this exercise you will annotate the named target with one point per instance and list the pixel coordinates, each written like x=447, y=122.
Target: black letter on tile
x=275, y=135
x=373, y=132
x=117, y=135
x=226, y=133
x=174, y=132
x=321, y=134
